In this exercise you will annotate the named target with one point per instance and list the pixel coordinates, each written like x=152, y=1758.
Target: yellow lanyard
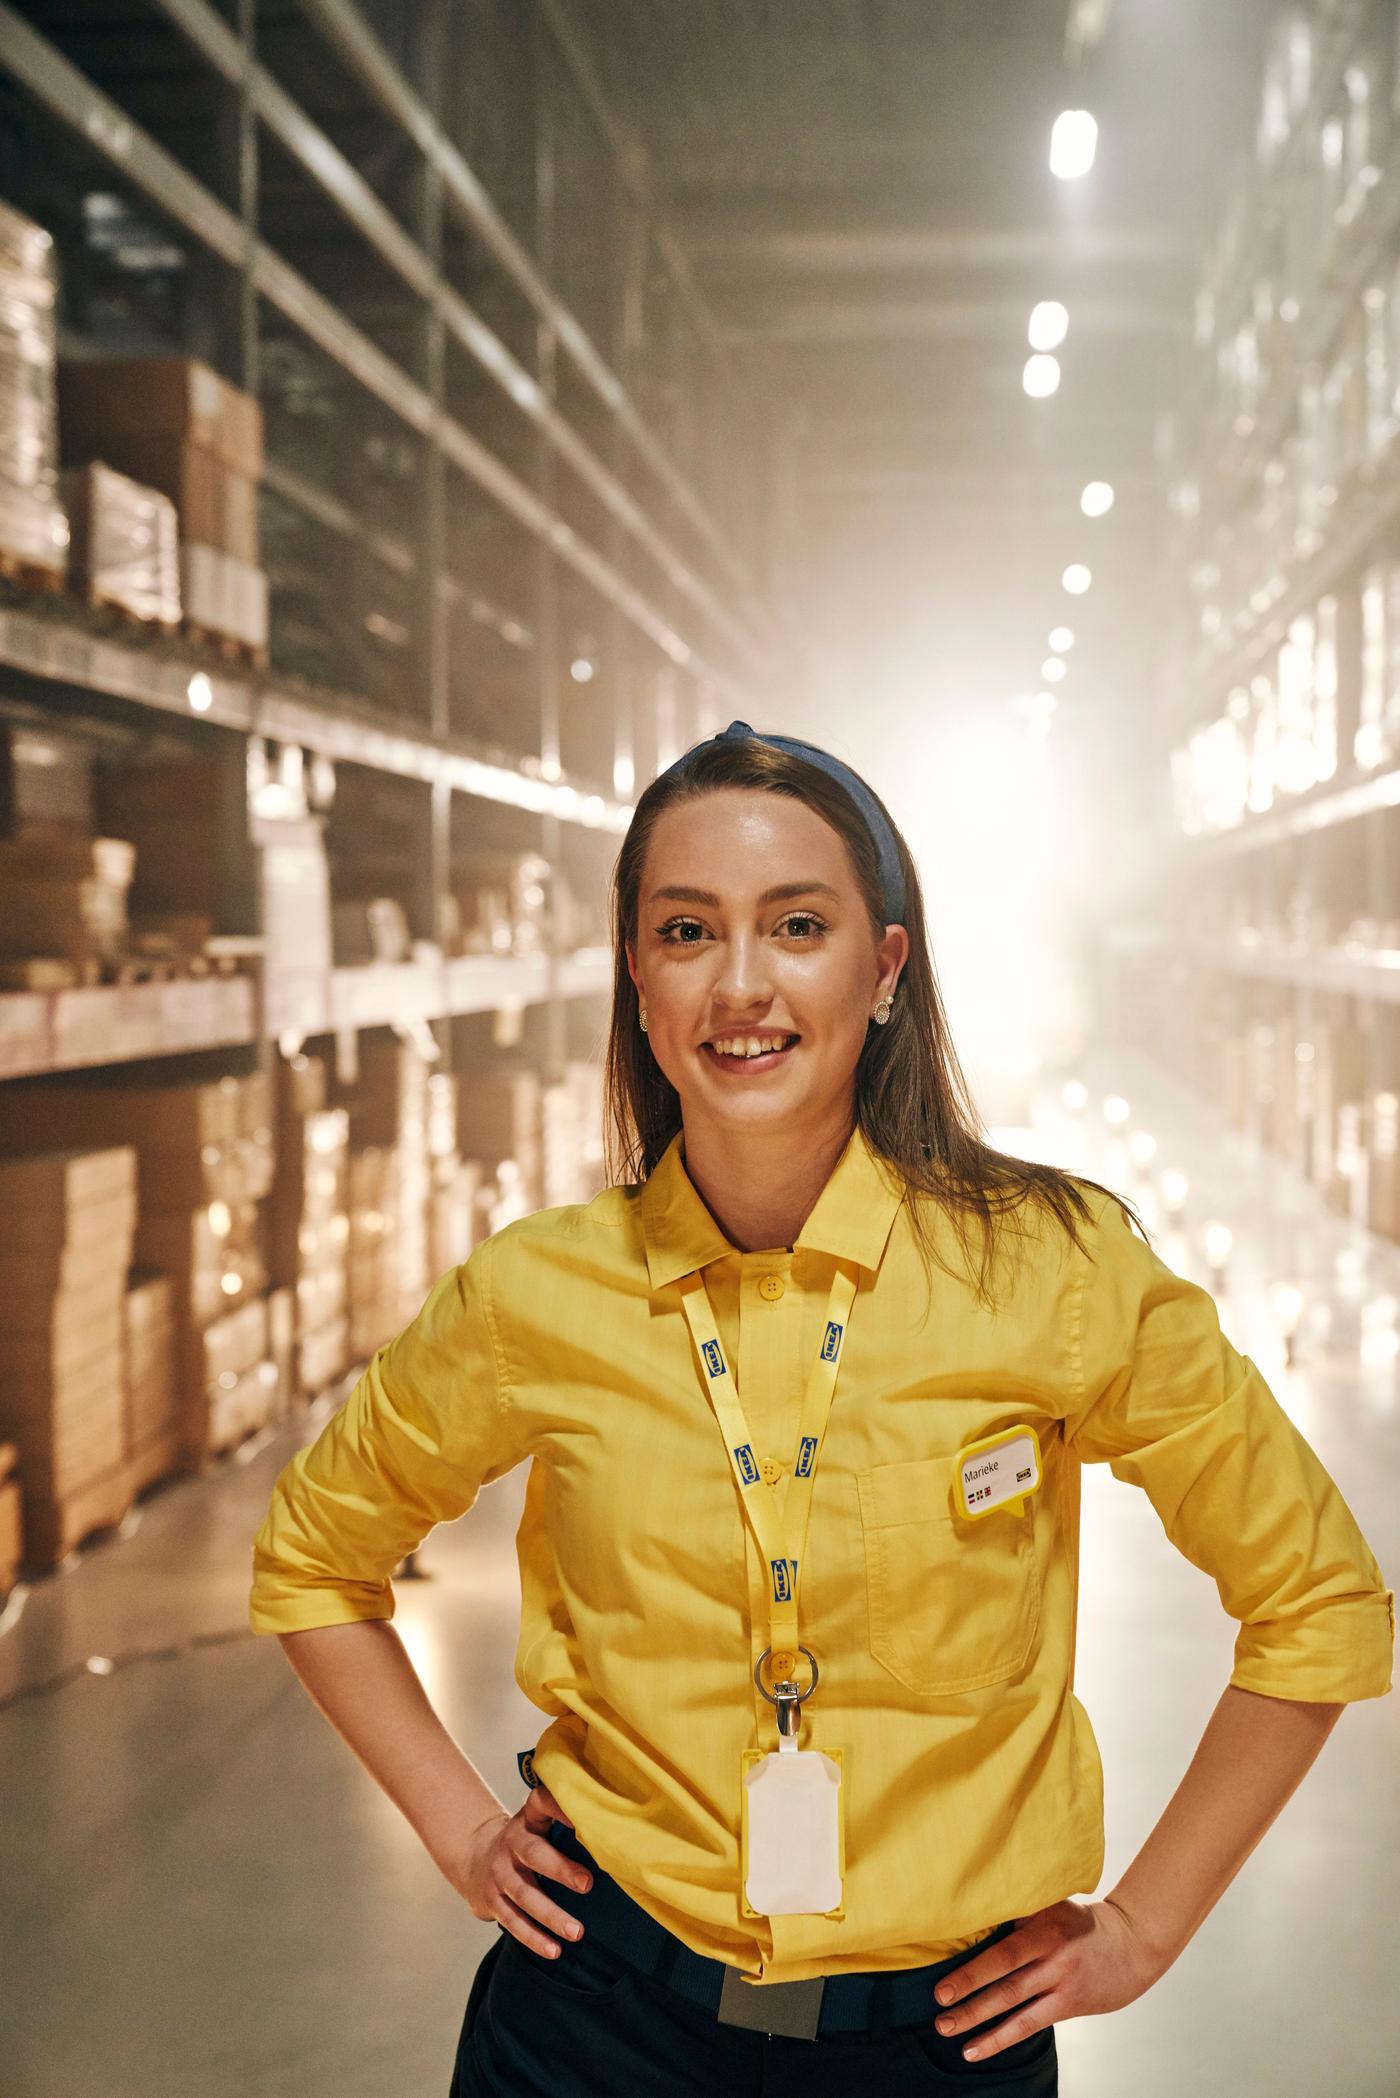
x=781, y=1539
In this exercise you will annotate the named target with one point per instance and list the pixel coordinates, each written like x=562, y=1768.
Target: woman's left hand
x=1068, y=1961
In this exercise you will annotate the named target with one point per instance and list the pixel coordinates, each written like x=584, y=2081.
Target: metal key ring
x=802, y=1695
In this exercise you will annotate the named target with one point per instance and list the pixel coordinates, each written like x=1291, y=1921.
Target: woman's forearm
x=1253, y=1755
x=363, y=1680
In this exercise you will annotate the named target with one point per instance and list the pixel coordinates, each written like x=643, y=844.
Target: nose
x=745, y=976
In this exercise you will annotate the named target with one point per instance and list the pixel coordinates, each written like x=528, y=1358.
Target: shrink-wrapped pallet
x=33, y=528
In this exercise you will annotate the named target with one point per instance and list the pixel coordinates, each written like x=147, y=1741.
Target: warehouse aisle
x=206, y=1894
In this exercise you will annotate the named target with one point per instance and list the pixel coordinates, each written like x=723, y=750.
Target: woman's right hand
x=495, y=1873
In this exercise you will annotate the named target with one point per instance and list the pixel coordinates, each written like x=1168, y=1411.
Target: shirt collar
x=851, y=1219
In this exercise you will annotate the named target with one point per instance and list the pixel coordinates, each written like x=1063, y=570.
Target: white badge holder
x=793, y=1838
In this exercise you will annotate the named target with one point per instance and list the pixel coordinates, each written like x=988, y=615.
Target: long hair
x=912, y=1100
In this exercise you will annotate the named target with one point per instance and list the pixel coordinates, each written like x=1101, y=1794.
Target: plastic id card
x=793, y=1847
x=998, y=1472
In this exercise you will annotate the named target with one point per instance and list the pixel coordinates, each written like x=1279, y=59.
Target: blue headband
x=886, y=853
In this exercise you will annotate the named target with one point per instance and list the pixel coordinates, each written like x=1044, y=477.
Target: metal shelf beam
x=71, y=97
x=48, y=1031
x=61, y=652
x=349, y=35
x=332, y=172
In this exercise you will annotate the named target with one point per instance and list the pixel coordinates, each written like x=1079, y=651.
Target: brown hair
x=912, y=1099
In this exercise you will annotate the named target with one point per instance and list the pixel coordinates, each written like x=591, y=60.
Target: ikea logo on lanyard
x=714, y=1360
x=748, y=1466
x=806, y=1457
x=832, y=1343
x=784, y=1579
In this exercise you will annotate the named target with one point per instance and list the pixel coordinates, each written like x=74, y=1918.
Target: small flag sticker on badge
x=999, y=1472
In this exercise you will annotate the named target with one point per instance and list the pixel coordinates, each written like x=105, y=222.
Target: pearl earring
x=882, y=1010
x=643, y=1017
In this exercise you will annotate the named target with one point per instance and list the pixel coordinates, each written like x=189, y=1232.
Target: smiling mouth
x=765, y=1060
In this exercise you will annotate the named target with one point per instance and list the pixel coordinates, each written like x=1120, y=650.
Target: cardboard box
x=172, y=397
x=170, y=1118
x=39, y=1390
x=150, y=1312
x=323, y=1356
x=63, y=851
x=57, y=1183
x=235, y=1342
x=58, y=1460
x=226, y=595
x=51, y=1268
x=239, y=1407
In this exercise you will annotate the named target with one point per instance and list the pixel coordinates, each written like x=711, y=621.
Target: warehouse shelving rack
x=1285, y=957
x=574, y=471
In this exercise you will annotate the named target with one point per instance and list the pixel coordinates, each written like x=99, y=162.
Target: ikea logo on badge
x=784, y=1579
x=748, y=1466
x=832, y=1342
x=714, y=1360
x=806, y=1457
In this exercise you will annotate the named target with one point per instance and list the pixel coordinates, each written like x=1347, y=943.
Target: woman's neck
x=761, y=1190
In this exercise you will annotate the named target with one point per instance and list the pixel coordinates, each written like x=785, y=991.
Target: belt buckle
x=789, y=2009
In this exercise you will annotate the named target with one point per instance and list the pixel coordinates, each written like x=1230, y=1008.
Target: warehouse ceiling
x=863, y=192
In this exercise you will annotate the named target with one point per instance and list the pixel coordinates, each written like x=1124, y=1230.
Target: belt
x=811, y=2009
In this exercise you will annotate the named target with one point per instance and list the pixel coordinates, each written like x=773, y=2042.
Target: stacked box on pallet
x=455, y=1181
x=152, y=1378
x=1340, y=1065
x=173, y=814
x=63, y=895
x=124, y=547
x=499, y=1121
x=585, y=1079
x=33, y=528
x=67, y=1222
x=205, y=1164
x=375, y=1288
x=175, y=425
x=388, y=1104
x=454, y=1229
x=1383, y=1174
x=309, y=1227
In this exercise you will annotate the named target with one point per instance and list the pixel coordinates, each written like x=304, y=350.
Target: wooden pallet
x=115, y=614
x=156, y=1460
x=227, y=647
x=140, y=968
x=28, y=575
x=54, y=1528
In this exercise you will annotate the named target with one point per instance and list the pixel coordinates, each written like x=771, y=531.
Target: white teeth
x=749, y=1045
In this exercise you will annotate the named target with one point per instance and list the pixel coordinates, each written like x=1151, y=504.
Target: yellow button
x=772, y=1469
x=772, y=1287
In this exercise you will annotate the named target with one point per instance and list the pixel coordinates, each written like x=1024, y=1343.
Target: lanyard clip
x=785, y=1694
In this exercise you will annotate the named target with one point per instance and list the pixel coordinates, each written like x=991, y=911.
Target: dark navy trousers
x=589, y=2025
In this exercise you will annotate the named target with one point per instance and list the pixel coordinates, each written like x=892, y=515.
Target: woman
x=805, y=1397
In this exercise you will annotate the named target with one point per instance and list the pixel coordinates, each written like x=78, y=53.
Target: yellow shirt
x=972, y=1778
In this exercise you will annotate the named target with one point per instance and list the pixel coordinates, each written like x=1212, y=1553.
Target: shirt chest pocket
x=954, y=1604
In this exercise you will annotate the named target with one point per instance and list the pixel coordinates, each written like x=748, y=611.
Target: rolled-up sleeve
x=426, y=1426
x=1171, y=1406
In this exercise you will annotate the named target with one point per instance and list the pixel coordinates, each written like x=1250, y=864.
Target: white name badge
x=999, y=1472
x=793, y=1841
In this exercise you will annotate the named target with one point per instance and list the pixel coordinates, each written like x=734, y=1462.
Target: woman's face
x=721, y=956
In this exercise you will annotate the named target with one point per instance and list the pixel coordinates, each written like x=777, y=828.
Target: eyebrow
x=784, y=891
